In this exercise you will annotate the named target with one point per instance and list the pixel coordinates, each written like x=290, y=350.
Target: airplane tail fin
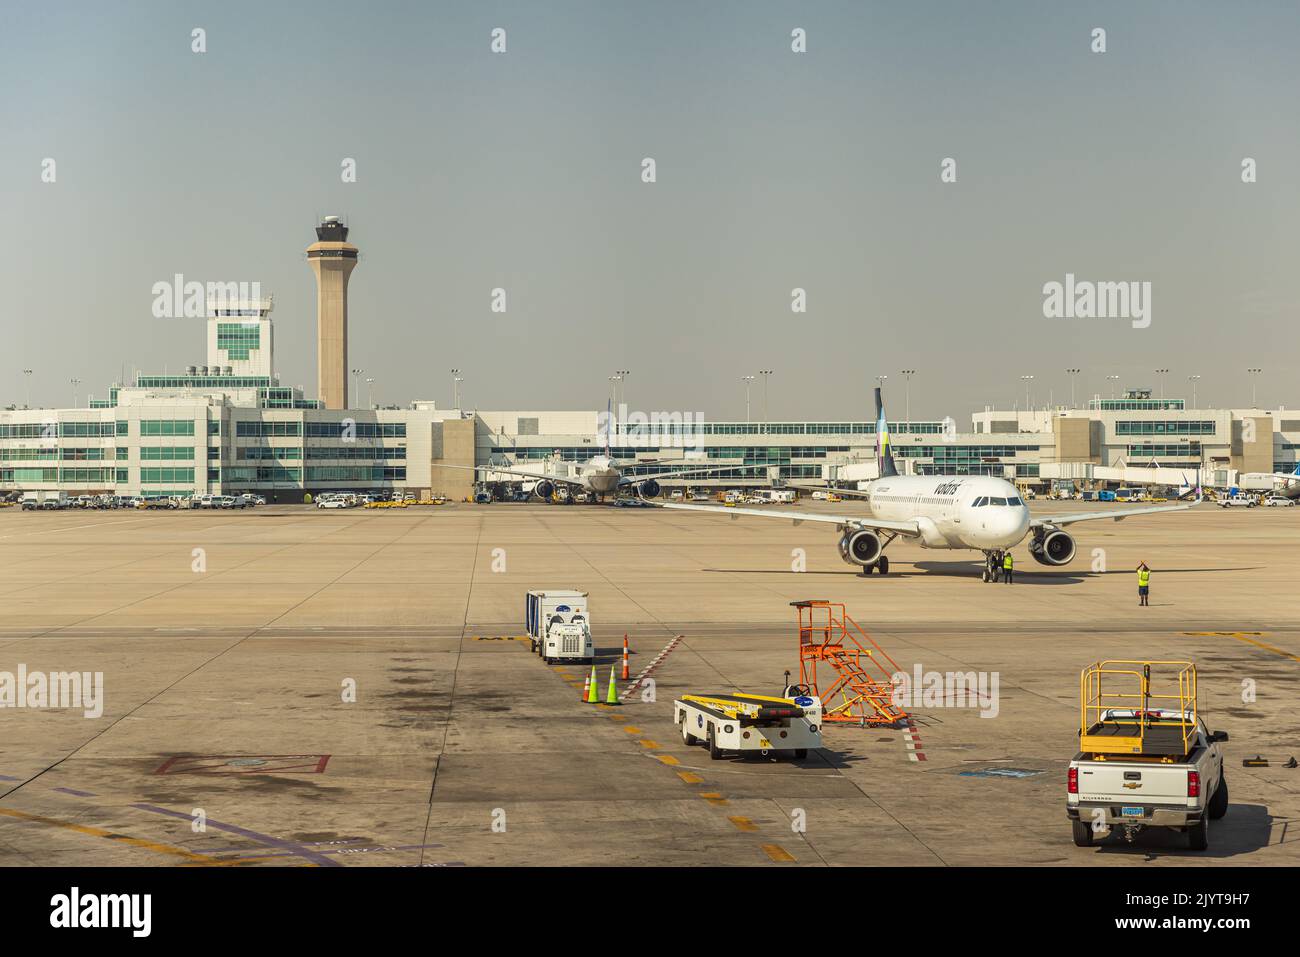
x=884, y=456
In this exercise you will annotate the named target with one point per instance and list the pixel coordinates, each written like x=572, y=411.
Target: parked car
x=1279, y=501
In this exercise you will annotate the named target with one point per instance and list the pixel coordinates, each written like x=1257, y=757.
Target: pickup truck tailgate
x=1138, y=782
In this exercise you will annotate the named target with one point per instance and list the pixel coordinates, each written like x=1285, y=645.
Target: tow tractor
x=1142, y=764
x=754, y=725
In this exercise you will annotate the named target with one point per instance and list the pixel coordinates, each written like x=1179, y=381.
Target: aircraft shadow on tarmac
x=1035, y=576
x=1245, y=828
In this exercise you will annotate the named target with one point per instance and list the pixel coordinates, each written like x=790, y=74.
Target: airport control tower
x=332, y=259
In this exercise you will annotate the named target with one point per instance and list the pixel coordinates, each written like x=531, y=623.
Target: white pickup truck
x=1177, y=782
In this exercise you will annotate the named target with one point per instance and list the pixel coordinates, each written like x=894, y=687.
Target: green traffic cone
x=611, y=696
x=593, y=690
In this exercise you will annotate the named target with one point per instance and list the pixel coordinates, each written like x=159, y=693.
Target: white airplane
x=598, y=476
x=943, y=512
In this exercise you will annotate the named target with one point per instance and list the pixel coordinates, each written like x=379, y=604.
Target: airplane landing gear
x=992, y=566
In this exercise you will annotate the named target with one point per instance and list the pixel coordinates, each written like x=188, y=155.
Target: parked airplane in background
x=600, y=475
x=944, y=512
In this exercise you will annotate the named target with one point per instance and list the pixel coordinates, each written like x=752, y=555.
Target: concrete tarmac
x=289, y=686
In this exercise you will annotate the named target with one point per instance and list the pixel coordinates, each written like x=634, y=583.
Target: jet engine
x=1052, y=548
x=648, y=489
x=861, y=547
x=544, y=490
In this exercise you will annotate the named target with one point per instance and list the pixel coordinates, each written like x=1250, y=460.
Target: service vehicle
x=558, y=623
x=1278, y=501
x=1145, y=759
x=1237, y=501
x=751, y=725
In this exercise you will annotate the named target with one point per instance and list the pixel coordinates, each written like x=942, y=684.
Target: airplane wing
x=534, y=476
x=1115, y=515
x=857, y=521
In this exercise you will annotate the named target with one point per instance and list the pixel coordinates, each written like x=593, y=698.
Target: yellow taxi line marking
x=118, y=838
x=647, y=743
x=690, y=778
x=714, y=798
x=1242, y=636
x=631, y=730
x=743, y=823
x=778, y=853
x=667, y=759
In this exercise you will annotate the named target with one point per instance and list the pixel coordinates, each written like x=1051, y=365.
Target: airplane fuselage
x=953, y=511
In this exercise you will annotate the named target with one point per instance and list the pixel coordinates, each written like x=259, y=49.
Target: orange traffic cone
x=626, y=673
x=586, y=683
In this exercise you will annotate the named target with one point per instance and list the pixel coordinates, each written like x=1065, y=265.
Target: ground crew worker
x=1144, y=584
x=1007, y=565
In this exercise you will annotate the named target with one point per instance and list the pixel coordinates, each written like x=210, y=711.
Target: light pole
x=747, y=379
x=765, y=373
x=1026, y=379
x=356, y=386
x=75, y=383
x=1073, y=374
x=1162, y=373
x=1193, y=379
x=370, y=392
x=1112, y=379
x=27, y=378
x=621, y=375
x=907, y=397
x=1254, y=377
x=455, y=388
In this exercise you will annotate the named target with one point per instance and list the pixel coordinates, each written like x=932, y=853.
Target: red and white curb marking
x=912, y=741
x=668, y=649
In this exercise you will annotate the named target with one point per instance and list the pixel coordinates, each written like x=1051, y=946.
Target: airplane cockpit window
x=994, y=500
x=1014, y=500
x=982, y=500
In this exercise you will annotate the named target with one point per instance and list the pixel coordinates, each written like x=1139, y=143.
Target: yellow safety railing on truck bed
x=1123, y=734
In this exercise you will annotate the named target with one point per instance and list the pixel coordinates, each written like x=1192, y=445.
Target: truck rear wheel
x=1219, y=803
x=689, y=738
x=715, y=752
x=1082, y=832
x=1198, y=834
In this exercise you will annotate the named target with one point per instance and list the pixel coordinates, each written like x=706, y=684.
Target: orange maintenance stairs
x=854, y=681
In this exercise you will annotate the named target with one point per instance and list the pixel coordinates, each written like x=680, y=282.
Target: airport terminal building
x=229, y=426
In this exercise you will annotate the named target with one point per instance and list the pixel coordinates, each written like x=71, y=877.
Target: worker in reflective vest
x=1144, y=583
x=1007, y=565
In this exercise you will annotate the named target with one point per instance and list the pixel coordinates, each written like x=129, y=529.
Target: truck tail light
x=1193, y=784
x=1072, y=781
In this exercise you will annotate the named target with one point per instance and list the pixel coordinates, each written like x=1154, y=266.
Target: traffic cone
x=611, y=697
x=593, y=687
x=586, y=683
x=626, y=674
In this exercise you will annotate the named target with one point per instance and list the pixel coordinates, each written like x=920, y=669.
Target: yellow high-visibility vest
x=1006, y=561
x=1144, y=577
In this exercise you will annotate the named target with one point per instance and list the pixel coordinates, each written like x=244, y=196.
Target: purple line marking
x=75, y=793
x=6, y=777
x=297, y=849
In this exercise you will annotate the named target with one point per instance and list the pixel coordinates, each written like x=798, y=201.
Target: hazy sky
x=775, y=170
